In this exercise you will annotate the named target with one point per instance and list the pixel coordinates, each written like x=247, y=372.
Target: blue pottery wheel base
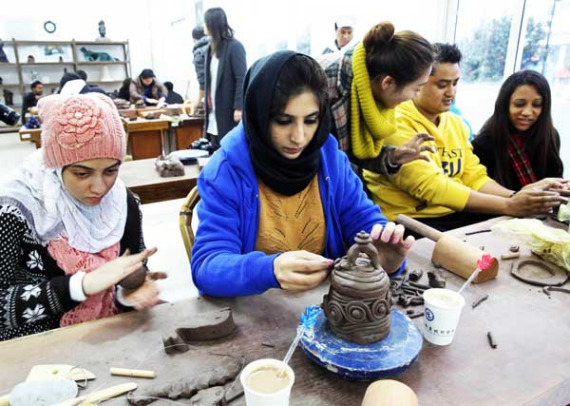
x=390, y=356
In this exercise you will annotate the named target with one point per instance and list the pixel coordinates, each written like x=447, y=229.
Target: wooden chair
x=185, y=220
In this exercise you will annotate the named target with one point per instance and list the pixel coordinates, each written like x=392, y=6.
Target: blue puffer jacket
x=224, y=260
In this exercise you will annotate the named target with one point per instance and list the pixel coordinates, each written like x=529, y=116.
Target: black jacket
x=229, y=89
x=200, y=50
x=483, y=148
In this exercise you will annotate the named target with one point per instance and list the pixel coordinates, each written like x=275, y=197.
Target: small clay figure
x=358, y=303
x=102, y=29
x=436, y=279
x=514, y=248
x=96, y=56
x=169, y=166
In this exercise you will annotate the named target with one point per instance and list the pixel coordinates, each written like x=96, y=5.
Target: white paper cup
x=441, y=315
x=256, y=398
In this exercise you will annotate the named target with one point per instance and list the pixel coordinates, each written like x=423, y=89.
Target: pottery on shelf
x=358, y=303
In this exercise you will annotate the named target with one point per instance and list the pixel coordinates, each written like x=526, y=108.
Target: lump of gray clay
x=186, y=388
x=206, y=326
x=436, y=279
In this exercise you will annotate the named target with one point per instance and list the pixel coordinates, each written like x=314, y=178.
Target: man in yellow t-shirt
x=450, y=188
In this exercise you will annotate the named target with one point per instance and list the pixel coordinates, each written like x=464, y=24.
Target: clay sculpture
x=358, y=303
x=169, y=166
x=96, y=56
x=205, y=326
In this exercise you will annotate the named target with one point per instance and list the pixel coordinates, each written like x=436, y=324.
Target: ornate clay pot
x=358, y=303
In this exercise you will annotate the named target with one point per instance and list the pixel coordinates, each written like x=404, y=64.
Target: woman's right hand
x=114, y=271
x=532, y=201
x=301, y=270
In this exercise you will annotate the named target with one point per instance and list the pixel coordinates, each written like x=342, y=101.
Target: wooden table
x=187, y=131
x=143, y=179
x=529, y=367
x=31, y=134
x=146, y=138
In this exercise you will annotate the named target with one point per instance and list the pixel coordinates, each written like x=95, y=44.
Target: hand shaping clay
x=206, y=326
x=358, y=303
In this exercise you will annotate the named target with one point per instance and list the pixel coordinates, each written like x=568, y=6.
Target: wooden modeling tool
x=451, y=253
x=133, y=373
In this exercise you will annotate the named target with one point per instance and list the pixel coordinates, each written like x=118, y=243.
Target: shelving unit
x=17, y=74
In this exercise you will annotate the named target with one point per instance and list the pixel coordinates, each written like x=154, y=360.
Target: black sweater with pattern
x=34, y=291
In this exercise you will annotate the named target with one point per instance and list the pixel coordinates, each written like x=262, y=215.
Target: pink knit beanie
x=78, y=128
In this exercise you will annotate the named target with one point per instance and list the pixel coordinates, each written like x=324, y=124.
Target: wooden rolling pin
x=451, y=253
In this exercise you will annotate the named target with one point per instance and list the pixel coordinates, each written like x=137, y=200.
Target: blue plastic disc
x=387, y=357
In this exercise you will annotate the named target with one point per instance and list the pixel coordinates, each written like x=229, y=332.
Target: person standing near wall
x=224, y=71
x=201, y=42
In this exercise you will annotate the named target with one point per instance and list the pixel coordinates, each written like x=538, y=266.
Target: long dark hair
x=541, y=145
x=403, y=55
x=218, y=28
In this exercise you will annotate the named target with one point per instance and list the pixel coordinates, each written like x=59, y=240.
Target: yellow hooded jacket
x=429, y=189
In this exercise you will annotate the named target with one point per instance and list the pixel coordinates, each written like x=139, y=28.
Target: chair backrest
x=185, y=220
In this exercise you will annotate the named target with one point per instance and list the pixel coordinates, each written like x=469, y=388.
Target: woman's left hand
x=550, y=183
x=147, y=295
x=391, y=246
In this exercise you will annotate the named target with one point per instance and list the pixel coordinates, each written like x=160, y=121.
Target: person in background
x=344, y=32
x=201, y=42
x=452, y=188
x=71, y=83
x=148, y=89
x=365, y=84
x=70, y=230
x=519, y=144
x=31, y=98
x=224, y=70
x=279, y=200
x=124, y=91
x=172, y=97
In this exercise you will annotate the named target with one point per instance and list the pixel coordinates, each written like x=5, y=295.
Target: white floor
x=171, y=256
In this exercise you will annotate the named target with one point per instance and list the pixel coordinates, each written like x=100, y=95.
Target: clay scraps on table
x=188, y=388
x=436, y=279
x=405, y=291
x=206, y=326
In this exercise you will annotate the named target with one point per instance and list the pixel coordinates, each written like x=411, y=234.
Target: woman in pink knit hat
x=71, y=246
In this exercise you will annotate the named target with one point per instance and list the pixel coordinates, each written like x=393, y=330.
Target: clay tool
x=511, y=255
x=133, y=373
x=101, y=395
x=451, y=253
x=294, y=344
